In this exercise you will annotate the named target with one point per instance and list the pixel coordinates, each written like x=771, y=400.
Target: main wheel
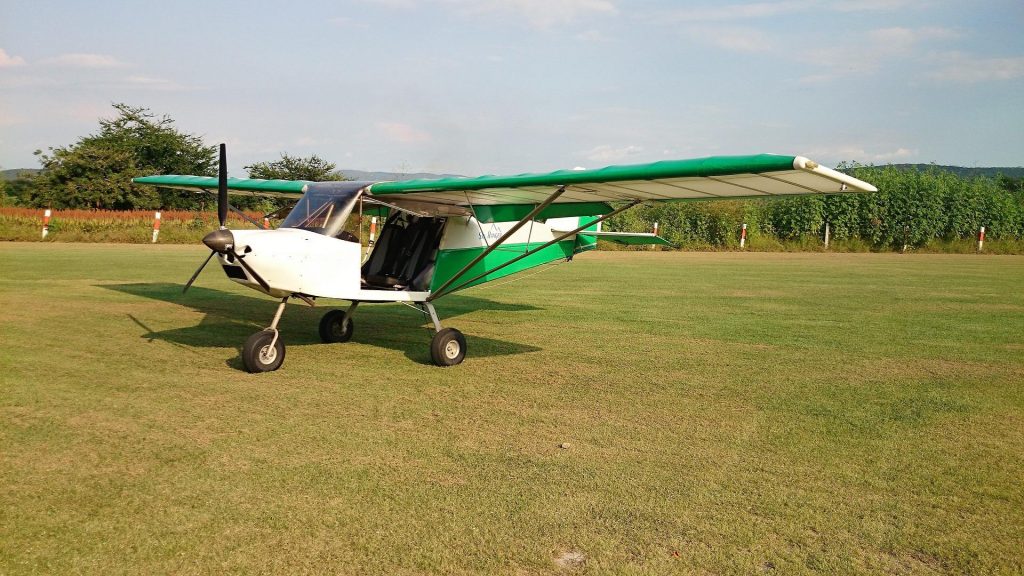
x=448, y=347
x=336, y=326
x=259, y=356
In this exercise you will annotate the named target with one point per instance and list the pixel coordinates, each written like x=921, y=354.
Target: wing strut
x=528, y=218
x=440, y=291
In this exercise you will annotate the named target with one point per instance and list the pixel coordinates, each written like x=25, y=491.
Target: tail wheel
x=336, y=326
x=258, y=355
x=448, y=347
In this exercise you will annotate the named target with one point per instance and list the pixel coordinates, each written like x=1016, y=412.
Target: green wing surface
x=713, y=178
x=276, y=188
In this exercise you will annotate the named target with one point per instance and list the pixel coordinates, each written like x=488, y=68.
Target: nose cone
x=220, y=241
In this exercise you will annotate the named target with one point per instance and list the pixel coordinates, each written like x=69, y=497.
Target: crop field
x=634, y=413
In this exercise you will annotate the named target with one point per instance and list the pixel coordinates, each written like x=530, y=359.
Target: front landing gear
x=448, y=346
x=264, y=350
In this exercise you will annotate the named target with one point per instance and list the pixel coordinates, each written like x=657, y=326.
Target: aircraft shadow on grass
x=231, y=318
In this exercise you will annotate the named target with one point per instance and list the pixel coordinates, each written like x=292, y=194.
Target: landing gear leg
x=448, y=346
x=264, y=350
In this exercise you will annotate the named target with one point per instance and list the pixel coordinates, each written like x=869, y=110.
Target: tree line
x=96, y=171
x=913, y=207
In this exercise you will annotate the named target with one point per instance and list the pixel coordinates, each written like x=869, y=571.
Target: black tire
x=448, y=347
x=336, y=326
x=258, y=356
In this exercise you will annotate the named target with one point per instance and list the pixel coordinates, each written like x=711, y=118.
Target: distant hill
x=965, y=172
x=13, y=173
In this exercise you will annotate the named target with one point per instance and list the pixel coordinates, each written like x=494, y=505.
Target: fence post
x=743, y=236
x=373, y=234
x=827, y=230
x=981, y=238
x=156, y=226
x=46, y=222
x=906, y=238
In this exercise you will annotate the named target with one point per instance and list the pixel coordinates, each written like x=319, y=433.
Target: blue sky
x=507, y=86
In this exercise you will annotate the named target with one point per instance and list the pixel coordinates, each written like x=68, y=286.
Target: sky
x=507, y=86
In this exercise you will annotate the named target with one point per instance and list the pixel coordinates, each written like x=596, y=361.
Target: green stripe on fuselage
x=449, y=262
x=488, y=213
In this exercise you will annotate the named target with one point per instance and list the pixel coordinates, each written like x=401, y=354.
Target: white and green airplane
x=441, y=236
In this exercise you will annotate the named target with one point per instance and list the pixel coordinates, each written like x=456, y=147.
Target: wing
x=270, y=188
x=588, y=192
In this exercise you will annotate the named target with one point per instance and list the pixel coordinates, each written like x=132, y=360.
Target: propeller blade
x=222, y=186
x=196, y=275
x=252, y=272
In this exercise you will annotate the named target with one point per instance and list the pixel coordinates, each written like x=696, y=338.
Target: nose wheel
x=264, y=350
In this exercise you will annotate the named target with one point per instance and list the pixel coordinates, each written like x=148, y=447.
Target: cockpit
x=326, y=208
x=405, y=252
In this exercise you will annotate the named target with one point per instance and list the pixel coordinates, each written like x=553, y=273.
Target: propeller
x=221, y=241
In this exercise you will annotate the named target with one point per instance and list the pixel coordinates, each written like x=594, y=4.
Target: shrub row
x=921, y=209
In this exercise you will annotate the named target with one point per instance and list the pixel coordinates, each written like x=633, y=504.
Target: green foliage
x=312, y=168
x=921, y=208
x=96, y=171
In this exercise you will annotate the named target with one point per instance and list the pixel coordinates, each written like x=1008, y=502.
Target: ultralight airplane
x=444, y=235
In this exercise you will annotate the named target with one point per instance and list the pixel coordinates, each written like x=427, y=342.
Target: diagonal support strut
x=440, y=291
x=528, y=218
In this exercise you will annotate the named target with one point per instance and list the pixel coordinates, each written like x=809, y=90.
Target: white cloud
x=592, y=37
x=606, y=153
x=868, y=55
x=539, y=13
x=738, y=11
x=735, y=39
x=755, y=10
x=403, y=133
x=859, y=154
x=85, y=60
x=10, y=61
x=346, y=22
x=875, y=5
x=151, y=83
x=966, y=69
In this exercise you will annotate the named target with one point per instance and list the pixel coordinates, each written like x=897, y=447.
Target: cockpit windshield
x=324, y=210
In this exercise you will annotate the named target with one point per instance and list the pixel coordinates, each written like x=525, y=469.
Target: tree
x=96, y=171
x=312, y=169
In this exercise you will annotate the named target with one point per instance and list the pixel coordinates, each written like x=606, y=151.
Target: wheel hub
x=268, y=354
x=451, y=349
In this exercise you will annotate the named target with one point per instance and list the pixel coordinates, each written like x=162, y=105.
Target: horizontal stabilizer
x=630, y=238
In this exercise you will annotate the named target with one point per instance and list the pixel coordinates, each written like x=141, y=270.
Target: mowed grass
x=636, y=413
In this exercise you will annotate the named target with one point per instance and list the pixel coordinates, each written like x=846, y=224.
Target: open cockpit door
x=403, y=257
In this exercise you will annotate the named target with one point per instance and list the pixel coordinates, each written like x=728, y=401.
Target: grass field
x=625, y=413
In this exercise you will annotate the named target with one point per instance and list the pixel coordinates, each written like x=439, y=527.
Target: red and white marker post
x=46, y=222
x=981, y=238
x=266, y=223
x=743, y=236
x=156, y=226
x=373, y=234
